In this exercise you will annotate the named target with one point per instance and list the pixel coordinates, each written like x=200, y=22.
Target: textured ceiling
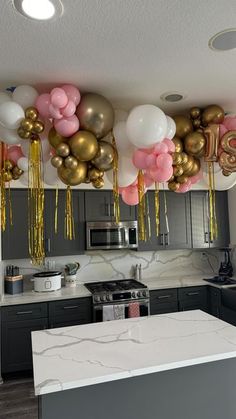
x=129, y=50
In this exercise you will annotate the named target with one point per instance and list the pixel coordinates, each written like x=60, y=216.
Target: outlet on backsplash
x=204, y=256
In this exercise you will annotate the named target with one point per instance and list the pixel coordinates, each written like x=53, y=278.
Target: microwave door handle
x=126, y=237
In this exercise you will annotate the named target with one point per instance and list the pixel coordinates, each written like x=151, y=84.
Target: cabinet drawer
x=163, y=296
x=79, y=309
x=192, y=293
x=163, y=308
x=24, y=312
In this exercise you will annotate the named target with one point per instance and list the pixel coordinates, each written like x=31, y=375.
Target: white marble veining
x=83, y=355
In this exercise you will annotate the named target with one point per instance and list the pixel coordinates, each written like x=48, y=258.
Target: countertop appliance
x=222, y=280
x=109, y=235
x=117, y=292
x=47, y=281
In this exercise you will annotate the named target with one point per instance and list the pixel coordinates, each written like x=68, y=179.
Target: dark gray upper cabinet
x=99, y=207
x=55, y=243
x=201, y=233
x=179, y=220
x=15, y=238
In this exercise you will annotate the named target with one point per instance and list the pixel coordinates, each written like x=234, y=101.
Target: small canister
x=13, y=284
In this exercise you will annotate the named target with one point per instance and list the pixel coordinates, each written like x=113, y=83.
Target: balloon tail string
x=56, y=211
x=157, y=208
x=116, y=196
x=69, y=229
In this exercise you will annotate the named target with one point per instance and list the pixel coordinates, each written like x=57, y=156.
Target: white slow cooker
x=47, y=281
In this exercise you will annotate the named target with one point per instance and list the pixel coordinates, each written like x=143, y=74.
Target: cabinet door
x=15, y=238
x=222, y=217
x=178, y=211
x=155, y=242
x=193, y=298
x=16, y=343
x=98, y=206
x=163, y=301
x=199, y=219
x=127, y=212
x=56, y=244
x=70, y=312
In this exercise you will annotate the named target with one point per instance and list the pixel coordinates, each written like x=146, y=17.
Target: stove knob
x=138, y=294
x=103, y=298
x=97, y=298
x=133, y=294
x=108, y=297
x=144, y=294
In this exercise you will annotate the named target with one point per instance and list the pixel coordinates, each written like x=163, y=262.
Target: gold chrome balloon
x=187, y=167
x=55, y=139
x=195, y=112
x=8, y=165
x=196, y=123
x=178, y=144
x=178, y=170
x=194, y=144
x=173, y=186
x=57, y=161
x=98, y=183
x=71, y=162
x=73, y=177
x=87, y=180
x=182, y=179
x=95, y=173
x=183, y=125
x=31, y=113
x=177, y=159
x=171, y=178
x=25, y=135
x=84, y=145
x=38, y=127
x=7, y=176
x=184, y=158
x=26, y=124
x=16, y=171
x=213, y=114
x=104, y=157
x=63, y=150
x=95, y=114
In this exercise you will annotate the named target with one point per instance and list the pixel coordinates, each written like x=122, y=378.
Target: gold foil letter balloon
x=183, y=125
x=194, y=144
x=55, y=139
x=213, y=114
x=73, y=177
x=105, y=156
x=95, y=114
x=212, y=134
x=84, y=145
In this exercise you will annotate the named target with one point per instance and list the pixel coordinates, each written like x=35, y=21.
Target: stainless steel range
x=120, y=292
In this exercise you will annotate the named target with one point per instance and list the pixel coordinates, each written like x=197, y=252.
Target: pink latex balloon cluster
x=185, y=187
x=60, y=105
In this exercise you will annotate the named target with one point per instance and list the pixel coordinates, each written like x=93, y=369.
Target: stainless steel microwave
x=109, y=235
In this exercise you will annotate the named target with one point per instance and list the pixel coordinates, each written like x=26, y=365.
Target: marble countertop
x=80, y=290
x=79, y=356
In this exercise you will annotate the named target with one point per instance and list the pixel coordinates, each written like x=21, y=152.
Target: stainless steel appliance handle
x=126, y=236
x=206, y=237
x=126, y=303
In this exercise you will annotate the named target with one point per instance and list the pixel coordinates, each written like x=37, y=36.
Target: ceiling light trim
x=59, y=10
x=219, y=35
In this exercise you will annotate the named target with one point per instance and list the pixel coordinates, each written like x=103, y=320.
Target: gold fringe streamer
x=212, y=204
x=166, y=211
x=10, y=205
x=116, y=196
x=157, y=208
x=2, y=185
x=36, y=203
x=147, y=218
x=69, y=228
x=141, y=208
x=56, y=211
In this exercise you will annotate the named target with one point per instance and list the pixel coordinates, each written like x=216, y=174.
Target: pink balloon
x=150, y=160
x=148, y=180
x=67, y=126
x=170, y=145
x=130, y=195
x=161, y=148
x=72, y=93
x=147, y=150
x=230, y=123
x=121, y=190
x=55, y=112
x=184, y=187
x=59, y=97
x=14, y=153
x=42, y=104
x=223, y=130
x=134, y=183
x=164, y=161
x=196, y=178
x=69, y=109
x=139, y=159
x=161, y=175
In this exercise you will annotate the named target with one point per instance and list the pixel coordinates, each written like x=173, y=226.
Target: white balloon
x=24, y=179
x=4, y=97
x=120, y=115
x=25, y=96
x=50, y=174
x=11, y=115
x=222, y=182
x=22, y=163
x=123, y=144
x=146, y=125
x=9, y=136
x=171, y=128
x=127, y=172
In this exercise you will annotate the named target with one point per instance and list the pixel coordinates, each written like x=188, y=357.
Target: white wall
x=232, y=214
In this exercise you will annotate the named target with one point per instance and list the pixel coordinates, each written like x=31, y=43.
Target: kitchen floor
x=17, y=399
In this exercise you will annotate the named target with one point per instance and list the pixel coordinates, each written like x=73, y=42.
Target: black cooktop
x=112, y=286
x=221, y=280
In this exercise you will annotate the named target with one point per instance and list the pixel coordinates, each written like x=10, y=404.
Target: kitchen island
x=172, y=366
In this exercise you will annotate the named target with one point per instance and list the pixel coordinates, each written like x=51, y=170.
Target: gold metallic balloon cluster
x=11, y=171
x=81, y=158
x=30, y=125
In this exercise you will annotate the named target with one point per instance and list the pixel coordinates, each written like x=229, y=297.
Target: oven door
x=107, y=236
x=143, y=306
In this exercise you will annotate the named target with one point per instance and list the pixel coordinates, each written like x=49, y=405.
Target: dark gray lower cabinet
x=193, y=298
x=70, y=312
x=163, y=301
x=214, y=301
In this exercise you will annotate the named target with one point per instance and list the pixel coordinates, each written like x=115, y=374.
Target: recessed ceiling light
x=39, y=9
x=224, y=40
x=172, y=97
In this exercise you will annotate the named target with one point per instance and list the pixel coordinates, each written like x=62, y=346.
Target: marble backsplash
x=106, y=265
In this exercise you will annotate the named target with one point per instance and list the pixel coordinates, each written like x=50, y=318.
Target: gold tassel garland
x=56, y=211
x=157, y=208
x=147, y=218
x=10, y=205
x=166, y=212
x=116, y=196
x=212, y=205
x=3, y=202
x=36, y=203
x=141, y=208
x=69, y=228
